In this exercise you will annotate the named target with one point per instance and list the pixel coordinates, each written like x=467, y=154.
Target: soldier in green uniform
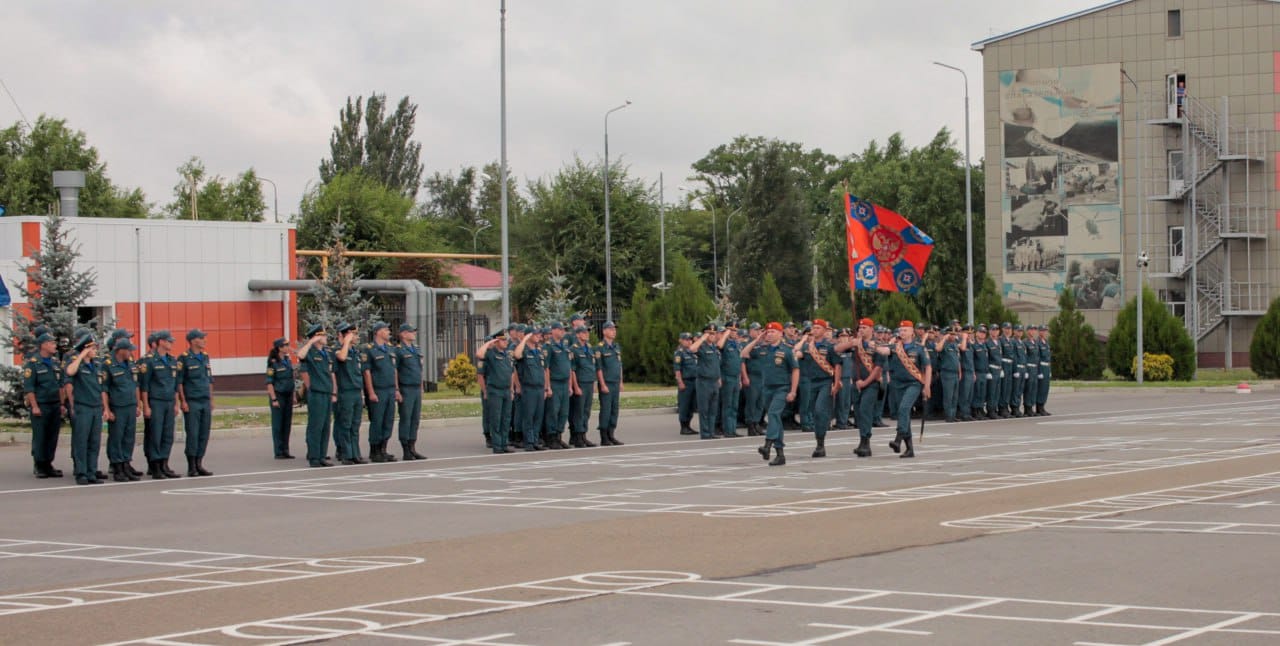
x=910, y=376
x=121, y=409
x=1031, y=378
x=349, y=381
x=531, y=368
x=1046, y=371
x=381, y=391
x=195, y=397
x=515, y=433
x=967, y=374
x=158, y=385
x=818, y=358
x=708, y=382
x=582, y=383
x=1019, y=371
x=84, y=375
x=1008, y=357
x=882, y=336
x=949, y=347
x=576, y=320
x=780, y=378
x=497, y=377
x=996, y=363
x=732, y=375
x=316, y=362
x=559, y=367
x=42, y=389
x=868, y=369
x=409, y=382
x=790, y=419
x=981, y=373
x=685, y=364
x=847, y=399
x=609, y=381
x=281, y=396
x=756, y=360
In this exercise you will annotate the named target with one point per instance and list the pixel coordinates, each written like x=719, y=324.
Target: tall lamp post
x=275, y=197
x=608, y=252
x=968, y=195
x=728, y=243
x=662, y=236
x=1142, y=254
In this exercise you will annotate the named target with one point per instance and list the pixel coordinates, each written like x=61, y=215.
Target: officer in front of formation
x=409, y=382
x=120, y=376
x=820, y=375
x=910, y=377
x=781, y=380
x=85, y=378
x=497, y=380
x=42, y=388
x=382, y=392
x=708, y=381
x=195, y=397
x=582, y=383
x=685, y=365
x=158, y=385
x=281, y=396
x=608, y=356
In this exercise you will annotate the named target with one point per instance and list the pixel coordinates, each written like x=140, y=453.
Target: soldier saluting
x=910, y=373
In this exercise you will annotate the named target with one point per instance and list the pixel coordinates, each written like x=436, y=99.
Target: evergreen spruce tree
x=836, y=313
x=989, y=307
x=1264, y=349
x=1162, y=333
x=655, y=325
x=335, y=297
x=54, y=291
x=725, y=307
x=896, y=307
x=1077, y=354
x=770, y=307
x=557, y=303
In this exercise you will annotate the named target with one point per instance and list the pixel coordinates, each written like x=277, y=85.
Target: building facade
x=1138, y=132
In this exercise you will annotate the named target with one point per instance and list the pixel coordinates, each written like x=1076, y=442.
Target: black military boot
x=1042, y=410
x=779, y=459
x=116, y=474
x=820, y=451
x=153, y=470
x=128, y=468
x=586, y=441
x=200, y=470
x=573, y=440
x=1014, y=412
x=864, y=448
x=685, y=429
x=613, y=438
x=1028, y=410
x=764, y=450
x=911, y=451
x=191, y=467
x=166, y=471
x=896, y=444
x=386, y=457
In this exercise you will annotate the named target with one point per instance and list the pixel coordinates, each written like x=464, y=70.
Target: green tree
x=383, y=149
x=1162, y=333
x=834, y=312
x=335, y=298
x=564, y=226
x=28, y=158
x=557, y=303
x=1264, y=349
x=460, y=375
x=54, y=290
x=238, y=200
x=894, y=308
x=988, y=307
x=374, y=218
x=1077, y=353
x=769, y=307
x=652, y=325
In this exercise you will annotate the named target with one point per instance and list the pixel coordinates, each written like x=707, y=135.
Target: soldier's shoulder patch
x=271, y=372
x=27, y=373
x=107, y=362
x=142, y=367
x=179, y=364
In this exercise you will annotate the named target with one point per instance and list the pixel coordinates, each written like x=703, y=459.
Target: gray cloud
x=243, y=84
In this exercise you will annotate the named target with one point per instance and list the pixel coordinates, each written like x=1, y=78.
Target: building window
x=1175, y=23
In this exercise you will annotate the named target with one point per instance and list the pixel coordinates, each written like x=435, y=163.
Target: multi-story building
x=1139, y=129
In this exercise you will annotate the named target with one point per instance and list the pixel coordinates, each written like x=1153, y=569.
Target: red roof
x=474, y=277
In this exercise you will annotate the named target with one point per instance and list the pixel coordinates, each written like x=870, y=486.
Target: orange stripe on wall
x=236, y=328
x=1276, y=70
x=30, y=245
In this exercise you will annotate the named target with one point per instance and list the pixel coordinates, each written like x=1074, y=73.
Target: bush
x=650, y=328
x=1155, y=367
x=461, y=374
x=1264, y=349
x=1163, y=333
x=988, y=307
x=1077, y=354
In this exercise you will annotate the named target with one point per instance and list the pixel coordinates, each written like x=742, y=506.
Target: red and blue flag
x=886, y=251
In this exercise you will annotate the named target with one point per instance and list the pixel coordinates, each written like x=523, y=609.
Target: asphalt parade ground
x=1126, y=518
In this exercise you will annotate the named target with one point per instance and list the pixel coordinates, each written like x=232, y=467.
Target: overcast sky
x=259, y=84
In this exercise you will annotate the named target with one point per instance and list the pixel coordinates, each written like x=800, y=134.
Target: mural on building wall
x=1060, y=201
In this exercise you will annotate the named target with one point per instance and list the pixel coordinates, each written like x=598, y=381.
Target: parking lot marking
x=248, y=570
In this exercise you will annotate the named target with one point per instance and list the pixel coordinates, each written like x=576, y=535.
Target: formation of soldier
x=816, y=379
x=89, y=386
x=536, y=380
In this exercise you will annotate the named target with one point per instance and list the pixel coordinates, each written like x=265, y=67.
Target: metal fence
x=457, y=331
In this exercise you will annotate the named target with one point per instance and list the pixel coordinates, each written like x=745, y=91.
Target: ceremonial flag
x=886, y=251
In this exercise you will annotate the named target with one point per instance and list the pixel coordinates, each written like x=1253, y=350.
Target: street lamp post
x=728, y=244
x=608, y=252
x=662, y=236
x=1137, y=97
x=475, y=234
x=275, y=197
x=968, y=195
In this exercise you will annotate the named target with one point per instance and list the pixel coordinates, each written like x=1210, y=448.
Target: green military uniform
x=1019, y=374
x=967, y=379
x=816, y=383
x=409, y=377
x=609, y=370
x=755, y=409
x=195, y=377
x=86, y=421
x=583, y=361
x=905, y=388
x=1008, y=356
x=949, y=364
x=1046, y=373
x=685, y=363
x=158, y=381
x=779, y=369
x=121, y=384
x=319, y=366
x=531, y=368
x=349, y=380
x=42, y=377
x=869, y=402
x=708, y=388
x=730, y=386
x=1031, y=379
x=996, y=366
x=556, y=410
x=280, y=376
x=379, y=362
x=847, y=398
x=981, y=374
x=496, y=367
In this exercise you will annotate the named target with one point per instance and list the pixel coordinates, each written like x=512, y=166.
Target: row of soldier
x=985, y=372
